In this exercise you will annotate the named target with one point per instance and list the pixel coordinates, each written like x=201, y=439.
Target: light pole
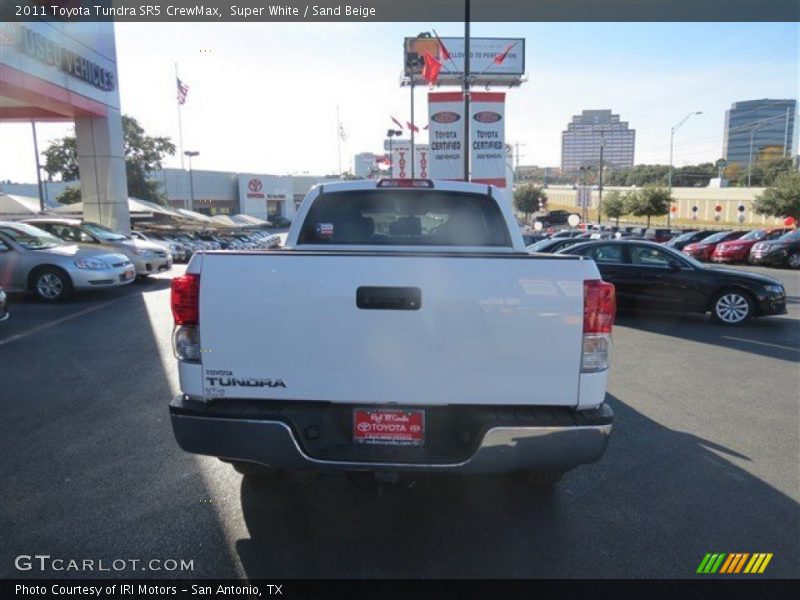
x=671, y=145
x=600, y=181
x=756, y=125
x=584, y=200
x=190, y=154
x=392, y=133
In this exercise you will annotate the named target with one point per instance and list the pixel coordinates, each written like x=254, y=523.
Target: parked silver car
x=4, y=314
x=147, y=257
x=175, y=249
x=33, y=260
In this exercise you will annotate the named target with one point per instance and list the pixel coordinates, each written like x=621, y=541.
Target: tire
x=793, y=261
x=50, y=284
x=256, y=470
x=731, y=307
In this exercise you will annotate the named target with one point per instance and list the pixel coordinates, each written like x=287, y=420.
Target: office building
x=758, y=130
x=587, y=132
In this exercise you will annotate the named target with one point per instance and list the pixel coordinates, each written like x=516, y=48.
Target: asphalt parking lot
x=703, y=458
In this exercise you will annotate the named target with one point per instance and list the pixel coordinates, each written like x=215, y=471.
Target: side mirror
x=674, y=265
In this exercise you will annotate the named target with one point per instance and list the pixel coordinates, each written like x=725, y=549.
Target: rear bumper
x=555, y=444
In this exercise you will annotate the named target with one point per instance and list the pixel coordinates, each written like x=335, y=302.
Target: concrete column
x=101, y=162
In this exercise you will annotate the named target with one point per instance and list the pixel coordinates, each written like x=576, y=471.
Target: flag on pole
x=412, y=127
x=443, y=53
x=430, y=71
x=342, y=134
x=498, y=60
x=398, y=123
x=183, y=91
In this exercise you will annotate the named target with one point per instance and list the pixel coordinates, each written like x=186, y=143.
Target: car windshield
x=540, y=245
x=792, y=236
x=756, y=234
x=684, y=236
x=31, y=238
x=717, y=237
x=104, y=233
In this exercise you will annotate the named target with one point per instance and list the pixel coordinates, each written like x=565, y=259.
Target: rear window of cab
x=405, y=218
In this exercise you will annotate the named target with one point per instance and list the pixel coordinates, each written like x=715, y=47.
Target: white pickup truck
x=401, y=327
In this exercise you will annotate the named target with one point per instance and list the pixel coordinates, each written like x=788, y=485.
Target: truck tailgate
x=486, y=329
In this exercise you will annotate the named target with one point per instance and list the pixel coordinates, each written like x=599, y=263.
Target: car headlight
x=92, y=264
x=775, y=289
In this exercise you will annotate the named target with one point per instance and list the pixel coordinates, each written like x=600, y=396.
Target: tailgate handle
x=388, y=298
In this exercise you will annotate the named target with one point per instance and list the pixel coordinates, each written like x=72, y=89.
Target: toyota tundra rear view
x=401, y=327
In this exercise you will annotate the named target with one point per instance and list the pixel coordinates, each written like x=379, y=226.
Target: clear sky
x=263, y=96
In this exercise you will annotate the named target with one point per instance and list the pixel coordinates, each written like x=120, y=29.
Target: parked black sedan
x=785, y=251
x=552, y=245
x=689, y=237
x=649, y=276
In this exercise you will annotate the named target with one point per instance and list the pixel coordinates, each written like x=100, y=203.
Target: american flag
x=324, y=229
x=183, y=91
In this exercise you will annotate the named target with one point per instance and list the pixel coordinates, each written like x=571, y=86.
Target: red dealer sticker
x=389, y=426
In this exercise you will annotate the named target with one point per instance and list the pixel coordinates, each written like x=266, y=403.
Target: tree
x=651, y=201
x=71, y=195
x=143, y=155
x=782, y=199
x=614, y=205
x=527, y=198
x=61, y=158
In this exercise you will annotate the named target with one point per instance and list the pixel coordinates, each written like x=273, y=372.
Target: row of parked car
x=778, y=247
x=182, y=245
x=52, y=257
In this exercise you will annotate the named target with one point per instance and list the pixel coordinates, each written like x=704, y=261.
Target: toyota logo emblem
x=255, y=185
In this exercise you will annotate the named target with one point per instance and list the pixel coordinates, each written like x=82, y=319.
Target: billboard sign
x=446, y=135
x=483, y=52
x=487, y=138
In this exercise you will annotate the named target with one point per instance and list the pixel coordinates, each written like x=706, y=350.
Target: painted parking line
x=54, y=322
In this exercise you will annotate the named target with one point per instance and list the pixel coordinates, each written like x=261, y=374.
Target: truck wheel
x=255, y=470
x=50, y=284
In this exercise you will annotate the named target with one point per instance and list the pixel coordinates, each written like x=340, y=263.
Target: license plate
x=389, y=426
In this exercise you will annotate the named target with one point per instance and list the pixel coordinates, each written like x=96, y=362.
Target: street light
x=585, y=168
x=392, y=133
x=190, y=154
x=671, y=144
x=756, y=125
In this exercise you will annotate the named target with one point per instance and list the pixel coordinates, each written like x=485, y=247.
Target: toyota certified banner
x=487, y=138
x=446, y=135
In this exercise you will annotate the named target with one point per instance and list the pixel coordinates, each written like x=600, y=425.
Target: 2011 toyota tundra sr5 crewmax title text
x=402, y=327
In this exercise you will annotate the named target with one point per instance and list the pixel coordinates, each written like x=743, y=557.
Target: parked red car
x=703, y=249
x=738, y=250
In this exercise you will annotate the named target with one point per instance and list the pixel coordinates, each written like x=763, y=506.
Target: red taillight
x=186, y=299
x=599, y=306
x=405, y=183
